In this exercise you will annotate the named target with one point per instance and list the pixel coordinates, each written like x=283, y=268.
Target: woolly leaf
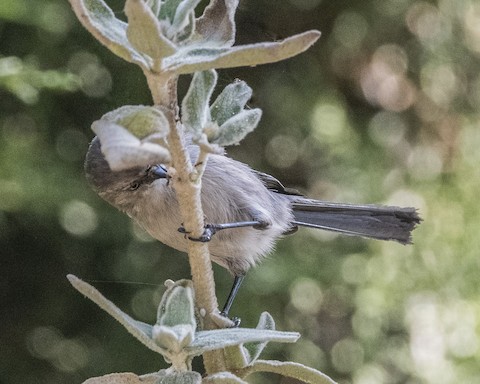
x=168, y=10
x=144, y=31
x=230, y=102
x=221, y=338
x=236, y=128
x=236, y=357
x=255, y=349
x=154, y=6
x=195, y=111
x=164, y=376
x=133, y=136
x=177, y=307
x=100, y=21
x=140, y=330
x=223, y=378
x=140, y=120
x=182, y=13
x=188, y=377
x=217, y=25
x=173, y=338
x=188, y=31
x=287, y=369
x=123, y=150
x=200, y=58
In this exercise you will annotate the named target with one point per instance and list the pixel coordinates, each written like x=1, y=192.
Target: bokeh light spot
x=71, y=355
x=282, y=151
x=350, y=29
x=67, y=355
x=328, y=122
x=55, y=17
x=427, y=22
x=306, y=295
x=42, y=341
x=383, y=81
x=387, y=129
x=354, y=269
x=440, y=83
x=12, y=195
x=427, y=338
x=347, y=355
x=140, y=234
x=78, y=218
x=371, y=374
x=425, y=163
x=306, y=352
x=472, y=26
x=95, y=78
x=143, y=304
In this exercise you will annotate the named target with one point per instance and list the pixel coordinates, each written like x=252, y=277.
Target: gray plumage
x=233, y=192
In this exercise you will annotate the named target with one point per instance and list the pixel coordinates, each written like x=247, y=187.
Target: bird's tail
x=373, y=221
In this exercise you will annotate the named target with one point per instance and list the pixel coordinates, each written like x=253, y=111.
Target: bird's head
x=123, y=188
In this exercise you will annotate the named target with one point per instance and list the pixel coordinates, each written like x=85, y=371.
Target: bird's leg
x=237, y=281
x=211, y=229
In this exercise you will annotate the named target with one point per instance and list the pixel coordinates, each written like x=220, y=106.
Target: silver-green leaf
x=287, y=369
x=174, y=338
x=221, y=338
x=168, y=10
x=217, y=25
x=177, y=305
x=195, y=110
x=223, y=378
x=154, y=6
x=182, y=13
x=141, y=331
x=254, y=350
x=133, y=136
x=188, y=377
x=141, y=120
x=100, y=21
x=144, y=32
x=237, y=127
x=195, y=58
x=230, y=102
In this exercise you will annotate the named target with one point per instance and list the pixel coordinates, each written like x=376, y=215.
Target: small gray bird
x=250, y=210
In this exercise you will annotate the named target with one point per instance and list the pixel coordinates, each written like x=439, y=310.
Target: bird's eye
x=134, y=186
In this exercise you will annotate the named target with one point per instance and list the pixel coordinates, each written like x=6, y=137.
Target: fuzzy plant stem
x=187, y=184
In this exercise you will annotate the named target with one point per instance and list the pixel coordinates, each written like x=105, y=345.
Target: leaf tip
x=73, y=279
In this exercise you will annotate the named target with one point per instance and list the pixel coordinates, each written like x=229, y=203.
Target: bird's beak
x=158, y=172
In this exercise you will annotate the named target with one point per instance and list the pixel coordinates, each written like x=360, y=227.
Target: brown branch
x=187, y=184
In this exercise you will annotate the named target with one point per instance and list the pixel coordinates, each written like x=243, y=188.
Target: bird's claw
x=262, y=225
x=205, y=237
x=235, y=320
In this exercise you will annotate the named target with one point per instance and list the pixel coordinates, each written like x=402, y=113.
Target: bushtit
x=256, y=208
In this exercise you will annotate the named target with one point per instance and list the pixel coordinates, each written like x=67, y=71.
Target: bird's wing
x=274, y=185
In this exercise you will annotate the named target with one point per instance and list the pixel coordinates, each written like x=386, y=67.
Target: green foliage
x=161, y=44
x=195, y=104
x=133, y=136
x=174, y=336
x=225, y=122
x=25, y=80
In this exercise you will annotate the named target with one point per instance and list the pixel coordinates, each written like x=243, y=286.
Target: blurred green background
x=383, y=109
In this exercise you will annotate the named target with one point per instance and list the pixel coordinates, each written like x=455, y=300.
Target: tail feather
x=373, y=221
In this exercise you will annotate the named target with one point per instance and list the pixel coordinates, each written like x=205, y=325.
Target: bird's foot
x=235, y=320
x=205, y=237
x=211, y=229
